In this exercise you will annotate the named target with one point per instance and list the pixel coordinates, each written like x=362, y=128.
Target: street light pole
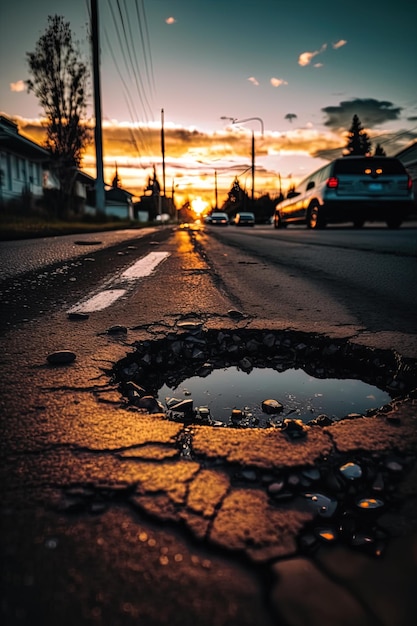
x=253, y=168
x=215, y=187
x=233, y=120
x=163, y=150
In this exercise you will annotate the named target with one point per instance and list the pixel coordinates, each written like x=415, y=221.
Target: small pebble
x=114, y=330
x=78, y=316
x=61, y=357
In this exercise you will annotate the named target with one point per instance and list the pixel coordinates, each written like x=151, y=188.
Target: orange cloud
x=306, y=57
x=277, y=82
x=192, y=157
x=18, y=86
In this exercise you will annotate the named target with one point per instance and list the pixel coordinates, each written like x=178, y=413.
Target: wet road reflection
x=302, y=396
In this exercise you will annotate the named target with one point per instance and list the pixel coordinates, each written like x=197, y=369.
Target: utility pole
x=215, y=188
x=163, y=150
x=100, y=197
x=253, y=167
x=249, y=119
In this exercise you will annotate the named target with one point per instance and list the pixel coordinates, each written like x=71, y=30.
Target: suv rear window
x=358, y=166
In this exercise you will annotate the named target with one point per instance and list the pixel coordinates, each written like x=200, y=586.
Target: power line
x=146, y=45
x=128, y=100
x=397, y=136
x=131, y=53
x=119, y=39
x=132, y=72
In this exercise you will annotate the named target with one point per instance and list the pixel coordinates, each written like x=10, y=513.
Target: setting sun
x=198, y=205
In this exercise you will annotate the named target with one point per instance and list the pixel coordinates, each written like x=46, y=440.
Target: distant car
x=245, y=219
x=219, y=219
x=350, y=189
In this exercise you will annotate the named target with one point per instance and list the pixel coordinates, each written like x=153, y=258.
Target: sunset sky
x=302, y=69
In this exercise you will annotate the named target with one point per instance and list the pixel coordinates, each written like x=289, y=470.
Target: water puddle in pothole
x=303, y=396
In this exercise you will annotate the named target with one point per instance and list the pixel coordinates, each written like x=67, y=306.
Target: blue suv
x=350, y=189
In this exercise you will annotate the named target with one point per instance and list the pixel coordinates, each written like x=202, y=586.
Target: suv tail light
x=409, y=183
x=332, y=182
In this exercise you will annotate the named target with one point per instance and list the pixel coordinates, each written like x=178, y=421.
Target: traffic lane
x=26, y=255
x=402, y=241
x=372, y=272
x=269, y=291
x=331, y=290
x=42, y=291
x=181, y=284
x=377, y=264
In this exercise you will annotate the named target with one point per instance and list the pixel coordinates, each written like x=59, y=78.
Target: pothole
x=285, y=377
x=264, y=396
x=258, y=379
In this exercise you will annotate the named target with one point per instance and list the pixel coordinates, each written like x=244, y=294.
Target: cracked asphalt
x=105, y=521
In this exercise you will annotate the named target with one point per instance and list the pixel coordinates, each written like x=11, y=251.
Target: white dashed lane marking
x=103, y=299
x=100, y=301
x=144, y=266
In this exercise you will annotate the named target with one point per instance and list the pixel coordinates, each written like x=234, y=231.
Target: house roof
x=117, y=194
x=11, y=140
x=409, y=153
x=84, y=178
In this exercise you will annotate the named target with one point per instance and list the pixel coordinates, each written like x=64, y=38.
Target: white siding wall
x=19, y=174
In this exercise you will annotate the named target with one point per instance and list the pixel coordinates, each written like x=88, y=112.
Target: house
x=28, y=180
x=22, y=164
x=82, y=192
x=408, y=157
x=119, y=203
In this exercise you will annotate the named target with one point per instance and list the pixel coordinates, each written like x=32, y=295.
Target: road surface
x=345, y=280
x=115, y=516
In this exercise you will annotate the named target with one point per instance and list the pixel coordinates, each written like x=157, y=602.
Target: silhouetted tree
x=153, y=184
x=290, y=117
x=358, y=140
x=264, y=208
x=237, y=200
x=235, y=192
x=59, y=81
x=379, y=150
x=185, y=213
x=116, y=182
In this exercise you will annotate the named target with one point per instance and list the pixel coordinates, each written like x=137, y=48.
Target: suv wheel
x=314, y=220
x=278, y=223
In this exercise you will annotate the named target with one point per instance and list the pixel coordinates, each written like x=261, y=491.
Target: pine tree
x=235, y=192
x=379, y=151
x=358, y=140
x=116, y=182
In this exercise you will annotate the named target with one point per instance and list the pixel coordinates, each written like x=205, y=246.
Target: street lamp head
x=234, y=120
